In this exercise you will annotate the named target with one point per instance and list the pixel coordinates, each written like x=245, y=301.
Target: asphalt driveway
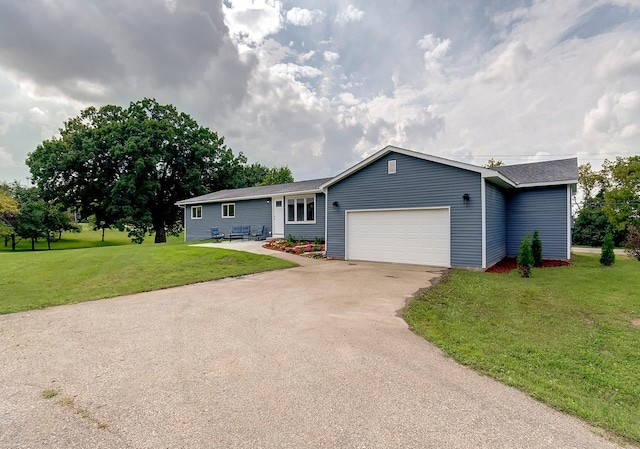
x=310, y=357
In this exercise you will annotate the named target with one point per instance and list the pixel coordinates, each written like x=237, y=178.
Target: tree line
x=610, y=203
x=125, y=168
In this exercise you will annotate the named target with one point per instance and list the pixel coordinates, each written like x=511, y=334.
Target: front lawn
x=36, y=279
x=568, y=336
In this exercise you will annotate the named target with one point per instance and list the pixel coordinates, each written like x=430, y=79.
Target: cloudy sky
x=319, y=84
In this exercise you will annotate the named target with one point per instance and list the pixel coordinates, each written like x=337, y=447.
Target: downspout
x=184, y=211
x=568, y=222
x=483, y=194
x=326, y=212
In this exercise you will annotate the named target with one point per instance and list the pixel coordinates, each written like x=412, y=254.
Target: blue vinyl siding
x=249, y=212
x=417, y=183
x=307, y=230
x=496, y=213
x=544, y=209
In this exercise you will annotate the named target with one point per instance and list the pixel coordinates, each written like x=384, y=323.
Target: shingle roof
x=541, y=172
x=258, y=192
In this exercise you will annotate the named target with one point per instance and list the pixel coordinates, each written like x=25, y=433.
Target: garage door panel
x=416, y=236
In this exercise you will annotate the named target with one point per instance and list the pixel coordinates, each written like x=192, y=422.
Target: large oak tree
x=128, y=166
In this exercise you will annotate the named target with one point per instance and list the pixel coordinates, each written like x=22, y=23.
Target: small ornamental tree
x=536, y=249
x=607, y=256
x=632, y=242
x=525, y=257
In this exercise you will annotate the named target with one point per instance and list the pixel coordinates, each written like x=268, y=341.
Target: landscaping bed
x=509, y=263
x=306, y=248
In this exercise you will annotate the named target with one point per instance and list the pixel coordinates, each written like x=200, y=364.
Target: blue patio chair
x=216, y=234
x=259, y=233
x=246, y=231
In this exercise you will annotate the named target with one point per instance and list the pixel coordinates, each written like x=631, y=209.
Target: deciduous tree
x=129, y=166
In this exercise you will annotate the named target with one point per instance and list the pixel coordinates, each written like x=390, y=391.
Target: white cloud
x=616, y=116
x=251, y=21
x=507, y=18
x=330, y=56
x=304, y=17
x=435, y=49
x=349, y=14
x=295, y=71
x=8, y=120
x=512, y=63
x=6, y=159
x=622, y=60
x=306, y=56
x=37, y=115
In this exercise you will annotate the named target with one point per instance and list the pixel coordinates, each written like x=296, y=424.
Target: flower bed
x=306, y=248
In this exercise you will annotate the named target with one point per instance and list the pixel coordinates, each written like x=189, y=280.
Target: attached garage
x=412, y=236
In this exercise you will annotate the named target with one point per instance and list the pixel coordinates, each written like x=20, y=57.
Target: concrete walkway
x=311, y=357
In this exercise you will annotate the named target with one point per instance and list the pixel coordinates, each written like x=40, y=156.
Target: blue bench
x=240, y=232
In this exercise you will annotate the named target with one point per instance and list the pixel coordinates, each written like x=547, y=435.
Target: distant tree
x=632, y=242
x=491, y=163
x=129, y=166
x=607, y=256
x=252, y=175
x=525, y=257
x=9, y=211
x=536, y=249
x=277, y=175
x=31, y=221
x=621, y=185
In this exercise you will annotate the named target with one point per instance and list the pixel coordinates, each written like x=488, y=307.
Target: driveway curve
x=310, y=357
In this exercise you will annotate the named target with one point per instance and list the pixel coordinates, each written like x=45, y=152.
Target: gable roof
x=485, y=172
x=300, y=187
x=535, y=174
x=563, y=171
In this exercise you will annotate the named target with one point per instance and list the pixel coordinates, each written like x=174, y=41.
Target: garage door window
x=301, y=209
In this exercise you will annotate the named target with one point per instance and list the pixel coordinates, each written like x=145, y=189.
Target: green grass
x=564, y=336
x=36, y=279
x=87, y=238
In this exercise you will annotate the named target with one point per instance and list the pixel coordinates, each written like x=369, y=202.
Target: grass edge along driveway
x=33, y=280
x=566, y=336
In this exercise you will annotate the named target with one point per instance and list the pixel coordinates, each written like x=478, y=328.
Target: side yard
x=36, y=279
x=568, y=336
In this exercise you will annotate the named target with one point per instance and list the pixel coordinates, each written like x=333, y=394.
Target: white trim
x=568, y=222
x=184, y=229
x=296, y=197
x=546, y=184
x=193, y=209
x=483, y=194
x=354, y=211
x=326, y=218
x=222, y=210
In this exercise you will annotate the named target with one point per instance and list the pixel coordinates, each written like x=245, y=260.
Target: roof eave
x=547, y=184
x=244, y=198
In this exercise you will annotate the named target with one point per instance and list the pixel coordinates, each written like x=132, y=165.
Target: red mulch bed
x=509, y=263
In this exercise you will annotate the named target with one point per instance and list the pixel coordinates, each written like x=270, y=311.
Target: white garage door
x=414, y=236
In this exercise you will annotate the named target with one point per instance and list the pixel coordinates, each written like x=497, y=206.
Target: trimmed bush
x=632, y=242
x=525, y=257
x=607, y=257
x=536, y=249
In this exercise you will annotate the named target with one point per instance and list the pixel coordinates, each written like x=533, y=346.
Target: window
x=301, y=209
x=391, y=167
x=196, y=212
x=229, y=210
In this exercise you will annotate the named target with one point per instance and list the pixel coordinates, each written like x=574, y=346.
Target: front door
x=277, y=208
